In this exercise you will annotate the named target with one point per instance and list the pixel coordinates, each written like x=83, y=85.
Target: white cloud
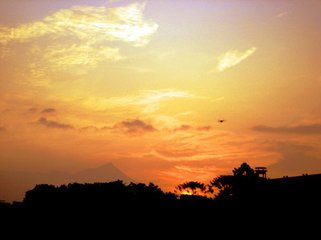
x=145, y=101
x=88, y=24
x=60, y=56
x=233, y=57
x=150, y=100
x=78, y=37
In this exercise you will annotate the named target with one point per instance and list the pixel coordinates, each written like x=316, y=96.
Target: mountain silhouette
x=14, y=184
x=105, y=173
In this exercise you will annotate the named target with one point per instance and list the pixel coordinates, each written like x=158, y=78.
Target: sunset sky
x=142, y=84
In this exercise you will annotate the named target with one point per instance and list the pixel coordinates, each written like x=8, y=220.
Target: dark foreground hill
x=14, y=184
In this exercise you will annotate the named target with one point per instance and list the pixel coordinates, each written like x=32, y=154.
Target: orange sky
x=143, y=83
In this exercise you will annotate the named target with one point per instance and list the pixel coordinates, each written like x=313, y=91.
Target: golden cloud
x=232, y=58
x=62, y=57
x=148, y=101
x=88, y=24
x=78, y=37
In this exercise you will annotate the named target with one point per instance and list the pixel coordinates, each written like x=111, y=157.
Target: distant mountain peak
x=105, y=173
x=13, y=184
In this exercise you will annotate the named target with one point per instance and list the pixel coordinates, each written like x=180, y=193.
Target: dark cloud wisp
x=186, y=127
x=300, y=129
x=204, y=128
x=48, y=110
x=53, y=124
x=183, y=127
x=135, y=126
x=32, y=110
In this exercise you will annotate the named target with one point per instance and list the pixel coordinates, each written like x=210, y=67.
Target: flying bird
x=221, y=120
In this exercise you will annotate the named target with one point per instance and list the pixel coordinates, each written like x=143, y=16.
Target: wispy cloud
x=134, y=127
x=219, y=99
x=135, y=69
x=295, y=158
x=219, y=147
x=53, y=124
x=61, y=57
x=48, y=110
x=232, y=58
x=151, y=99
x=88, y=23
x=186, y=127
x=32, y=110
x=300, y=129
x=113, y=1
x=80, y=37
x=91, y=128
x=148, y=101
x=281, y=14
x=204, y=128
x=183, y=127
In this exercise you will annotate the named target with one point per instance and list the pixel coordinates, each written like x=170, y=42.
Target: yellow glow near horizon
x=185, y=192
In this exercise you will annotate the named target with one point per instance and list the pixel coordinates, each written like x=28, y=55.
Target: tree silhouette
x=243, y=198
x=244, y=170
x=192, y=188
x=239, y=185
x=224, y=185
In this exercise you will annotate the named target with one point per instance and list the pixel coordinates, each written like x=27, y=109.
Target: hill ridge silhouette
x=242, y=201
x=13, y=184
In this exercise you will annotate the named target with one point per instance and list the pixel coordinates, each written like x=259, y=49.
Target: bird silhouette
x=221, y=120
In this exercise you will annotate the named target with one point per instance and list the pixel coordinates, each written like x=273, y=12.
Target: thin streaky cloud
x=232, y=58
x=134, y=69
x=147, y=101
x=204, y=128
x=87, y=23
x=300, y=129
x=85, y=34
x=62, y=57
x=183, y=127
x=32, y=110
x=281, y=14
x=53, y=124
x=48, y=110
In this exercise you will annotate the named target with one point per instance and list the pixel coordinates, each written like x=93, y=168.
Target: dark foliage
x=243, y=200
x=192, y=188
